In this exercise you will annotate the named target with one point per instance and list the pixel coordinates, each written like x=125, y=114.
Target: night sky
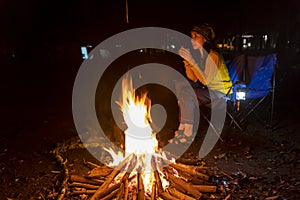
x=40, y=40
x=56, y=19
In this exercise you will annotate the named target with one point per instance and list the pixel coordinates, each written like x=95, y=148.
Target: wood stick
x=121, y=192
x=191, y=167
x=101, y=171
x=186, y=177
x=206, y=170
x=64, y=183
x=147, y=198
x=153, y=192
x=76, y=178
x=166, y=196
x=179, y=194
x=205, y=188
x=84, y=185
x=76, y=192
x=180, y=184
x=110, y=178
x=109, y=190
x=125, y=178
x=158, y=181
x=141, y=189
x=188, y=161
x=91, y=165
x=198, y=181
x=130, y=168
x=161, y=193
x=126, y=189
x=189, y=170
x=110, y=195
x=193, y=179
x=194, y=170
x=156, y=173
x=179, y=187
x=133, y=196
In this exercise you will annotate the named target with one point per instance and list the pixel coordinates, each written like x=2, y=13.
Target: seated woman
x=209, y=79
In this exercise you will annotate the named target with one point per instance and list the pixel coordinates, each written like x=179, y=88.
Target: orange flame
x=140, y=139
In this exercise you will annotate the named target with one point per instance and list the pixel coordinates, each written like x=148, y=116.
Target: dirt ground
x=265, y=163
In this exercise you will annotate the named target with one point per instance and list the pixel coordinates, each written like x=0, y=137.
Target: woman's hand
x=186, y=55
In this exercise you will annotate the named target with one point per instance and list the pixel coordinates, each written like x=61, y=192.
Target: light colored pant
x=203, y=97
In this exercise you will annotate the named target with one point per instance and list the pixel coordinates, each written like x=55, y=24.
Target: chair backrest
x=255, y=71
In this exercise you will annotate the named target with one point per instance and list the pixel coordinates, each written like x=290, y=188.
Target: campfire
x=142, y=170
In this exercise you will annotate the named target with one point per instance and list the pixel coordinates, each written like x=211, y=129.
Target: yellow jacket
x=215, y=75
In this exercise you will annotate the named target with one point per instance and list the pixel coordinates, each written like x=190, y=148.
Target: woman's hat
x=206, y=31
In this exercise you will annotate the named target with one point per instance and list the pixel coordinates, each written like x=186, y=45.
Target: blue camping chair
x=253, y=76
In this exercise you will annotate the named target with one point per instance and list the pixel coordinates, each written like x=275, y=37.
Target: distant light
x=247, y=36
x=241, y=95
x=241, y=91
x=84, y=53
x=173, y=46
x=220, y=45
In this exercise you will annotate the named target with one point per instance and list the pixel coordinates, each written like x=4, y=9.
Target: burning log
x=141, y=189
x=189, y=184
x=153, y=193
x=105, y=186
x=171, y=181
x=108, y=191
x=121, y=192
x=111, y=194
x=126, y=189
x=161, y=193
x=185, y=181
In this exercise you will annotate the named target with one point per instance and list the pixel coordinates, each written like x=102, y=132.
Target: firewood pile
x=121, y=183
x=192, y=180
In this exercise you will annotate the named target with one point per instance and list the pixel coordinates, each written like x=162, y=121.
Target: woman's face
x=197, y=40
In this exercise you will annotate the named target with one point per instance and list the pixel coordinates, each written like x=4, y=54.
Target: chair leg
x=218, y=133
x=233, y=120
x=234, y=116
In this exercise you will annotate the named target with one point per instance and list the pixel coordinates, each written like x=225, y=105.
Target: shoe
x=183, y=135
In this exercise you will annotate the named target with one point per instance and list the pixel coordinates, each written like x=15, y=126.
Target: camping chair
x=257, y=75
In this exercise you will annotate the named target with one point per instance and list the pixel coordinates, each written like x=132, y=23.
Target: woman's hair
x=208, y=33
